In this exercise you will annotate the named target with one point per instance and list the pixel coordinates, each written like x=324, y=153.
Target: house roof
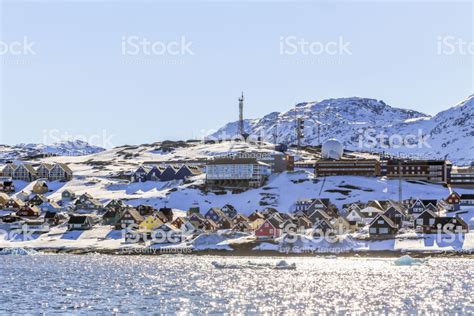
x=50, y=214
x=386, y=219
x=219, y=212
x=232, y=161
x=245, y=218
x=429, y=212
x=399, y=210
x=428, y=202
x=210, y=222
x=371, y=209
x=258, y=214
x=28, y=167
x=10, y=165
x=45, y=165
x=304, y=219
x=245, y=224
x=449, y=220
x=41, y=197
x=274, y=222
x=135, y=215
x=167, y=227
x=375, y=204
x=65, y=167
x=323, y=222
x=34, y=208
x=357, y=211
x=86, y=195
x=322, y=213
x=78, y=219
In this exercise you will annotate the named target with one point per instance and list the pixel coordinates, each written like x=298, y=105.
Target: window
x=384, y=230
x=419, y=221
x=432, y=221
x=373, y=230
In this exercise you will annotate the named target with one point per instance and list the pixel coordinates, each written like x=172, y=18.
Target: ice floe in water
x=283, y=265
x=280, y=265
x=409, y=261
x=18, y=252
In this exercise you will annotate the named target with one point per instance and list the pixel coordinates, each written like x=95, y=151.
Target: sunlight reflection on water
x=171, y=283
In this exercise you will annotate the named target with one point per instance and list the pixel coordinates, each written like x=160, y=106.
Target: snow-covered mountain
x=65, y=148
x=363, y=124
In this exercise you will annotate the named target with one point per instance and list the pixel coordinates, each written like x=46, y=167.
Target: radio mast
x=241, y=115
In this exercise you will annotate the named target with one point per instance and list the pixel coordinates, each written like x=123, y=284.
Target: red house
x=29, y=211
x=453, y=198
x=270, y=228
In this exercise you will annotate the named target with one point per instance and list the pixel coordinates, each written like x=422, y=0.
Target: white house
x=236, y=171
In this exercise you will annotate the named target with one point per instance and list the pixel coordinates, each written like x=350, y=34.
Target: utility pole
x=241, y=115
x=400, y=191
x=299, y=131
x=299, y=122
x=275, y=132
x=319, y=127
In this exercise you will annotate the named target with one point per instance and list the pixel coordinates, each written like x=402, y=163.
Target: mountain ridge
x=355, y=121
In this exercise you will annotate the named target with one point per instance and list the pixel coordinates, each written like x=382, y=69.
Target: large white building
x=235, y=171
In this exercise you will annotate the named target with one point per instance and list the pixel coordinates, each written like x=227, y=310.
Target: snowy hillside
x=65, y=148
x=354, y=120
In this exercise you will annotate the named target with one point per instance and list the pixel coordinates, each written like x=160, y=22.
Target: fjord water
x=191, y=284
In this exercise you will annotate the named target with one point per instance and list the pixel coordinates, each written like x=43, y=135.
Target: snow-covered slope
x=65, y=148
x=354, y=120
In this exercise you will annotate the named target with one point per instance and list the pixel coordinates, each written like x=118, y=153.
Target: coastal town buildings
x=246, y=172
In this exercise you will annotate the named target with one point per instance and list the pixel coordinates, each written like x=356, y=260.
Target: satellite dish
x=332, y=149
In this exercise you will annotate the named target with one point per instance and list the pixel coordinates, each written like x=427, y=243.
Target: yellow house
x=150, y=223
x=256, y=223
x=40, y=187
x=4, y=198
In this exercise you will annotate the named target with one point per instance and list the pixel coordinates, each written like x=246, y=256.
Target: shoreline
x=252, y=253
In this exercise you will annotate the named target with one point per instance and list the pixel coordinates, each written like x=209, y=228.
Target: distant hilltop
x=64, y=148
x=357, y=122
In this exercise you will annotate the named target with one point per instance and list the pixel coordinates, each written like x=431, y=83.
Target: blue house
x=155, y=173
x=141, y=174
x=168, y=174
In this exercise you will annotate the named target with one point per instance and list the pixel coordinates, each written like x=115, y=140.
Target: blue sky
x=79, y=82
